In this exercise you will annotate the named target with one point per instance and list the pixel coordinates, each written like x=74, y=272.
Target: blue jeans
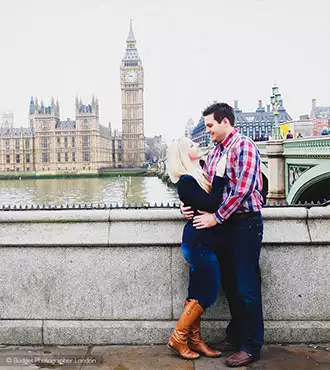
x=241, y=281
x=204, y=274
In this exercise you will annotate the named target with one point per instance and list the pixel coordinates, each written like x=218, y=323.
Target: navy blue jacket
x=191, y=194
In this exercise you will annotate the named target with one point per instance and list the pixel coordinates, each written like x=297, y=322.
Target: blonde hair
x=179, y=163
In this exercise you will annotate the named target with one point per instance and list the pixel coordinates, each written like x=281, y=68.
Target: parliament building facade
x=83, y=144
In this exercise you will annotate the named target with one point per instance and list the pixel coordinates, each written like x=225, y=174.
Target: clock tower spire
x=132, y=88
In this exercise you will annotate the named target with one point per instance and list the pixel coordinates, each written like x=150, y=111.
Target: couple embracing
x=222, y=238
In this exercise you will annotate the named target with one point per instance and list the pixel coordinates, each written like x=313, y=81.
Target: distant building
x=199, y=135
x=155, y=149
x=257, y=124
x=299, y=128
x=82, y=144
x=189, y=128
x=16, y=146
x=132, y=89
x=320, y=116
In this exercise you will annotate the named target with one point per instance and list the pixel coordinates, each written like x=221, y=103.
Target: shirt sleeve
x=191, y=194
x=245, y=167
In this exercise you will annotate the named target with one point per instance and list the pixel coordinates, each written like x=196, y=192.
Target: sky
x=193, y=52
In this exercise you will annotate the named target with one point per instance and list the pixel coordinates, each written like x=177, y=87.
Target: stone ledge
x=51, y=234
x=53, y=216
x=157, y=332
x=319, y=213
x=21, y=332
x=284, y=213
x=171, y=214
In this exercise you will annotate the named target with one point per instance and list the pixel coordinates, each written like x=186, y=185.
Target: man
x=241, y=236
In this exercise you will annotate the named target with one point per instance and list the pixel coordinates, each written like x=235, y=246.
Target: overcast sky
x=193, y=52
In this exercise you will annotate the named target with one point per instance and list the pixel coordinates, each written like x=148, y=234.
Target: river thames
x=100, y=190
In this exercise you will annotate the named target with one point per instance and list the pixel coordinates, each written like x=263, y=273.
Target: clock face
x=130, y=76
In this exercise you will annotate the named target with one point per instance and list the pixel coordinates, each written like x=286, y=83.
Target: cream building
x=50, y=145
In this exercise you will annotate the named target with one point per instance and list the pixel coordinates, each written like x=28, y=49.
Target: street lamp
x=275, y=100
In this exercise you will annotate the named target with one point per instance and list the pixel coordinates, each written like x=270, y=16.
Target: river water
x=121, y=190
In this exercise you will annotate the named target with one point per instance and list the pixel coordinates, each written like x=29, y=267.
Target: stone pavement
x=155, y=357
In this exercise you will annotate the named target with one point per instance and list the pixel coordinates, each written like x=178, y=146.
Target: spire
x=131, y=53
x=130, y=37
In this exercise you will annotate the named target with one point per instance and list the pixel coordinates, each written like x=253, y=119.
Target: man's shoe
x=226, y=346
x=241, y=358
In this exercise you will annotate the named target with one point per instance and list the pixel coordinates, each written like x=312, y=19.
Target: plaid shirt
x=242, y=192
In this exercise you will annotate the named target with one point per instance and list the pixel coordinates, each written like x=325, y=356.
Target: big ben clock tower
x=131, y=77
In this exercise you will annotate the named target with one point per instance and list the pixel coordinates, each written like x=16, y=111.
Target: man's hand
x=186, y=211
x=204, y=221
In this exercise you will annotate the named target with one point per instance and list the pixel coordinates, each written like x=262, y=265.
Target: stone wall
x=117, y=276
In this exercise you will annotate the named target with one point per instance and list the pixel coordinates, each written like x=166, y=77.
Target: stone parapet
x=118, y=276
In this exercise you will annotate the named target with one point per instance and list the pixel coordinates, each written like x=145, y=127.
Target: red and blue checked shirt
x=242, y=192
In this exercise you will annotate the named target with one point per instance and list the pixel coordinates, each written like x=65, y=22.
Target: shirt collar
x=226, y=142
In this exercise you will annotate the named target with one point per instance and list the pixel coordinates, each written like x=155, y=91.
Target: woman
x=195, y=190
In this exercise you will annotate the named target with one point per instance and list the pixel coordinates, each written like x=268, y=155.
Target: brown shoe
x=226, y=346
x=241, y=358
x=178, y=341
x=196, y=343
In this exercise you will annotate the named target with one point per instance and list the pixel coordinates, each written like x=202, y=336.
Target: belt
x=244, y=215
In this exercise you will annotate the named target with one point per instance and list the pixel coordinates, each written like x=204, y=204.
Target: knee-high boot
x=178, y=340
x=195, y=341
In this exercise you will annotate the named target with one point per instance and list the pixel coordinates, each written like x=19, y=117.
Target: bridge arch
x=308, y=179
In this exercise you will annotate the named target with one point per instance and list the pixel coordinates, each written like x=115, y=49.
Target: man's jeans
x=241, y=281
x=204, y=275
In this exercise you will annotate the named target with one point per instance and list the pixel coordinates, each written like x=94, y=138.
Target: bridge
x=296, y=170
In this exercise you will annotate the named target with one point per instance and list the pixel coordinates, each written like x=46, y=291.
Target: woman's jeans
x=204, y=275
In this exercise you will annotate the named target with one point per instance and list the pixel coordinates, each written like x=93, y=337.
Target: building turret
x=32, y=106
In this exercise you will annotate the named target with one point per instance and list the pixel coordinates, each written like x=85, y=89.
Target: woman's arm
x=193, y=195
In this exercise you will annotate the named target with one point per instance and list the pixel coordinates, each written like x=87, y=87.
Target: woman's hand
x=187, y=212
x=221, y=166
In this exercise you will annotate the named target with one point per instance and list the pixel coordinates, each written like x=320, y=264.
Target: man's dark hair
x=221, y=111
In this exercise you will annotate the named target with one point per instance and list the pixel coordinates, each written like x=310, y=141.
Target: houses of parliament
x=55, y=146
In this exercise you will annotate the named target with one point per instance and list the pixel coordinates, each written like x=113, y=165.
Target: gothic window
x=7, y=158
x=27, y=158
x=18, y=158
x=73, y=142
x=85, y=123
x=58, y=140
x=7, y=144
x=45, y=157
x=17, y=144
x=66, y=156
x=44, y=142
x=58, y=157
x=73, y=156
x=85, y=141
x=65, y=141
x=86, y=156
x=27, y=144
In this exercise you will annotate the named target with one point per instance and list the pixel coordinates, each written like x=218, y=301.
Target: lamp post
x=275, y=100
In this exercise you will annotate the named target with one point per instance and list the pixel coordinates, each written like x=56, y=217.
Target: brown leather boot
x=196, y=343
x=178, y=340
